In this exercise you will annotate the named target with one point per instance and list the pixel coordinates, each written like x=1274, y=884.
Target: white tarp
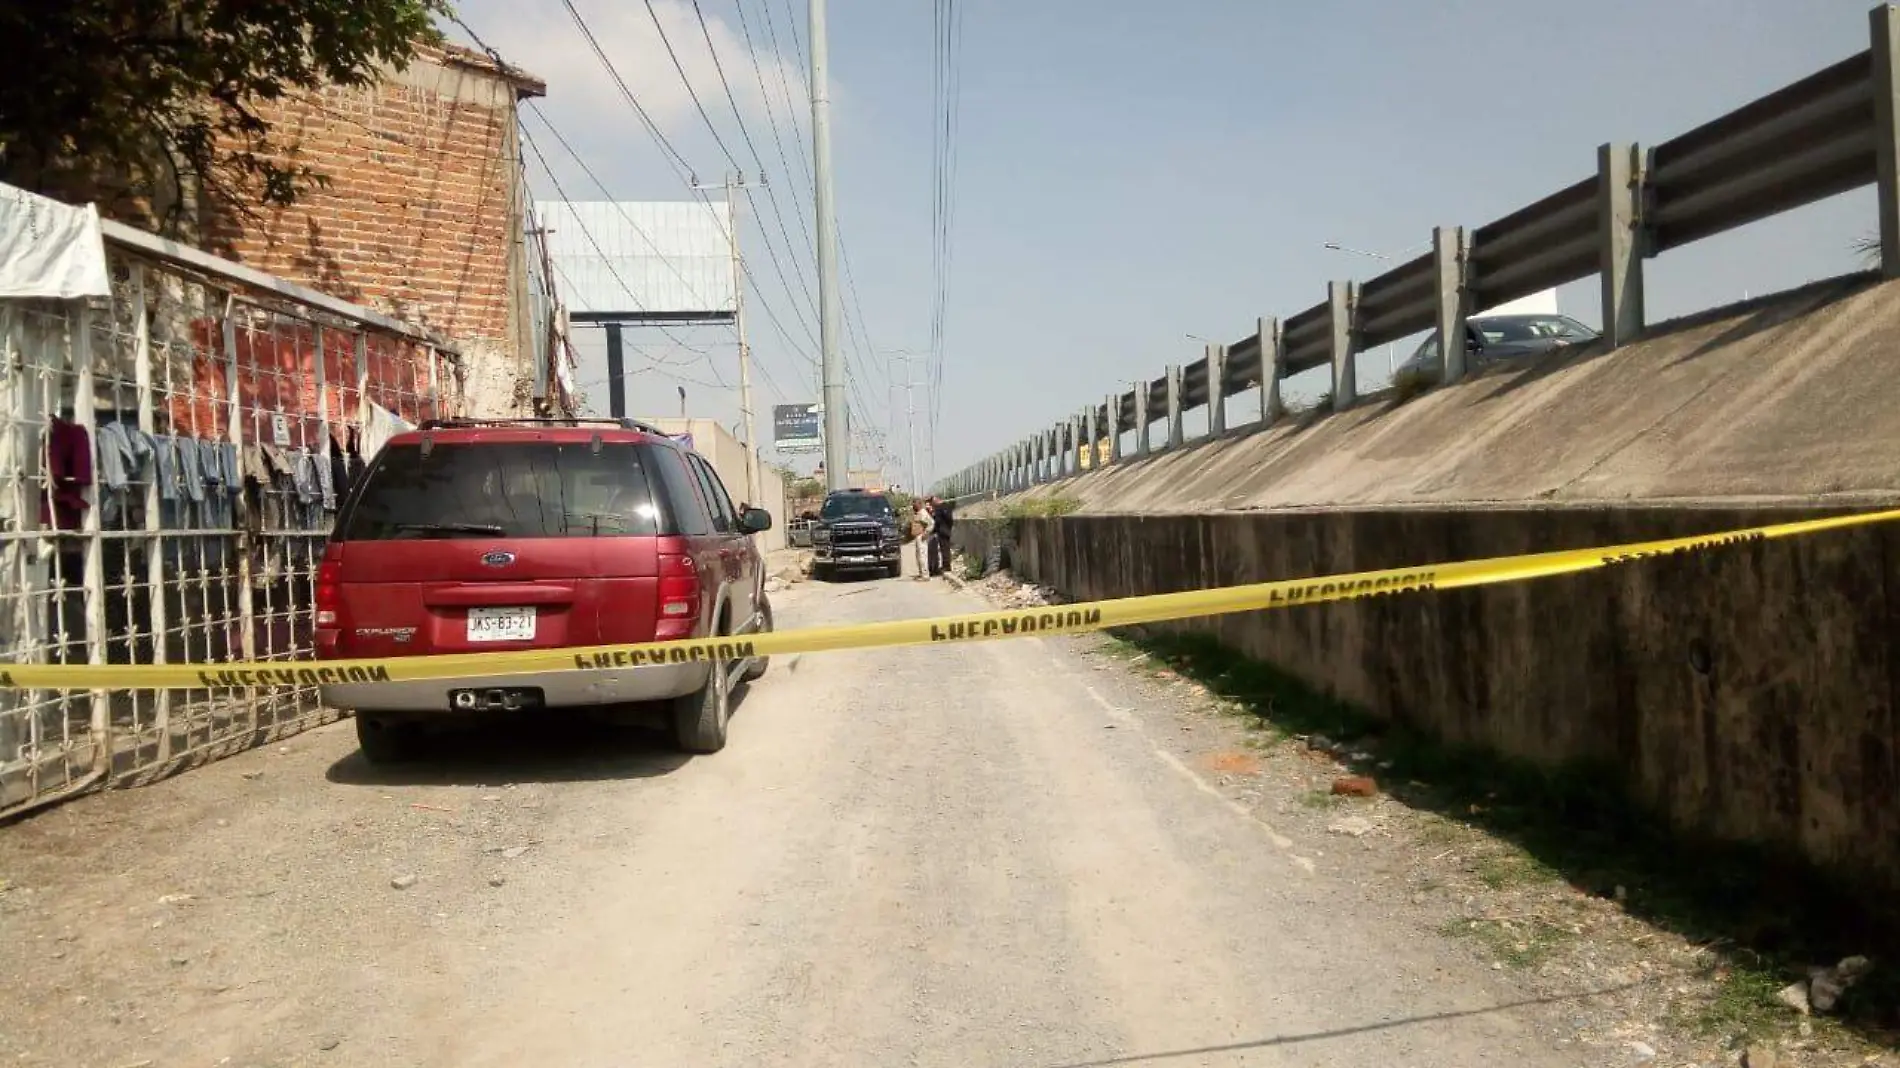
x=381, y=425
x=49, y=249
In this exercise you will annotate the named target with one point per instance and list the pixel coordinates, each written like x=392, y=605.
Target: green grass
x=1321, y=799
x=1769, y=915
x=1744, y=1006
x=1518, y=945
x=1041, y=508
x=1502, y=870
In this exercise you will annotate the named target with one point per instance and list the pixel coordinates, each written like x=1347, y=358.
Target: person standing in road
x=943, y=516
x=923, y=524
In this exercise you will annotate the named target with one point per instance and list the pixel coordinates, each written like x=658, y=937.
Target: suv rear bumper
x=559, y=689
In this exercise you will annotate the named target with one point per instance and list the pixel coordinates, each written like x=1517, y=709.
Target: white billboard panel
x=641, y=259
x=1544, y=303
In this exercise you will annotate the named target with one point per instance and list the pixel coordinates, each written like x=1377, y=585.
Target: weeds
x=1408, y=384
x=1041, y=508
x=1524, y=945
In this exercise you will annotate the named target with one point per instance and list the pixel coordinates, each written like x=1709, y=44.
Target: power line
x=683, y=169
x=778, y=212
x=713, y=128
x=691, y=93
x=602, y=186
x=859, y=337
x=684, y=172
x=946, y=91
x=595, y=245
x=771, y=113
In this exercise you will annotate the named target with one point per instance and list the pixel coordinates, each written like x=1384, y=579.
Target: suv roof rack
x=623, y=424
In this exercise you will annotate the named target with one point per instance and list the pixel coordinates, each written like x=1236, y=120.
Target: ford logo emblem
x=498, y=558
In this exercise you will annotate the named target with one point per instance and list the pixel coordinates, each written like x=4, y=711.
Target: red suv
x=469, y=536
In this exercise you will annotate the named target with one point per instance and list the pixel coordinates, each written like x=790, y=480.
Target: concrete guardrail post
x=1141, y=419
x=1093, y=428
x=1272, y=368
x=1112, y=418
x=1448, y=260
x=1177, y=430
x=1884, y=22
x=1345, y=374
x=1619, y=222
x=1216, y=390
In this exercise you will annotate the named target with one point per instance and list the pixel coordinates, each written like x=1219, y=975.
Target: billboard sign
x=798, y=427
x=638, y=261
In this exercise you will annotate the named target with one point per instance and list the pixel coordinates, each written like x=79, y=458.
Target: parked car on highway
x=1491, y=338
x=473, y=536
x=857, y=530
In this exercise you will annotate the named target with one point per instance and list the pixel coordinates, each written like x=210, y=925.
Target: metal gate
x=170, y=463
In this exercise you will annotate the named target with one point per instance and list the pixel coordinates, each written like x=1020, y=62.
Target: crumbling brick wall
x=421, y=216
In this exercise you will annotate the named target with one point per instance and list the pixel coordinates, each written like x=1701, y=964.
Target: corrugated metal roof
x=641, y=257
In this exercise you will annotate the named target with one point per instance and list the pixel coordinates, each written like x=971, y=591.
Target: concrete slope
x=1791, y=396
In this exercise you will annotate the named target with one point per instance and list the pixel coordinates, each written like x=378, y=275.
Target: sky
x=1130, y=174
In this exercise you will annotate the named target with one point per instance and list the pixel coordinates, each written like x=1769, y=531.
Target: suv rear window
x=526, y=490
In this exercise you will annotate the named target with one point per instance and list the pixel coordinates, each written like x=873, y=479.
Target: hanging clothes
x=217, y=496
x=125, y=453
x=69, y=470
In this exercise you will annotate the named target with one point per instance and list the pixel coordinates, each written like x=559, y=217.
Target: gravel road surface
x=964, y=856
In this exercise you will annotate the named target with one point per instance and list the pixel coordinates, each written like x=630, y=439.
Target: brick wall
x=421, y=217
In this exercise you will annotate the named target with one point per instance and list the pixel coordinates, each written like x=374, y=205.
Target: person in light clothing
x=922, y=525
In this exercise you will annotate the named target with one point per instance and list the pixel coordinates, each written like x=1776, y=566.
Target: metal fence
x=1836, y=130
x=170, y=461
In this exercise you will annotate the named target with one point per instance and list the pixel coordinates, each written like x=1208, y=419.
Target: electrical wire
x=594, y=243
x=684, y=172
x=771, y=194
x=679, y=68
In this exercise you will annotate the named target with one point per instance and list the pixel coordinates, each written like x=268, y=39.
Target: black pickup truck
x=856, y=530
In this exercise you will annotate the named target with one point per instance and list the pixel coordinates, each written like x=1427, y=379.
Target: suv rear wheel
x=385, y=740
x=699, y=718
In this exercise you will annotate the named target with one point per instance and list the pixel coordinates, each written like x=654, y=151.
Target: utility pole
x=837, y=417
x=910, y=417
x=732, y=184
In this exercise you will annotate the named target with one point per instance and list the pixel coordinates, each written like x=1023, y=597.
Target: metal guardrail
x=1833, y=131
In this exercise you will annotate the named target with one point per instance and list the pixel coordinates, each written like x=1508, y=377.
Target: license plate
x=500, y=624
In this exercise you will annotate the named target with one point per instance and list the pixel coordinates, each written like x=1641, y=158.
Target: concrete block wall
x=1747, y=694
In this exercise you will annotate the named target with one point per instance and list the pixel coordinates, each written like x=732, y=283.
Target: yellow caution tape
x=977, y=626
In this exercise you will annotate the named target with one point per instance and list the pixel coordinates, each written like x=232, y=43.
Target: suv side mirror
x=755, y=521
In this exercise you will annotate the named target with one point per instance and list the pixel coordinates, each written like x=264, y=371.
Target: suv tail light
x=329, y=587
x=679, y=598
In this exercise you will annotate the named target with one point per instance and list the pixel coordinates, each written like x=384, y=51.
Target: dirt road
x=984, y=855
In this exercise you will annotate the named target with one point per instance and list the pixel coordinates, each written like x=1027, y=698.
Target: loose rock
x=1759, y=1057
x=1828, y=984
x=1355, y=786
x=402, y=882
x=1353, y=826
x=1795, y=996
